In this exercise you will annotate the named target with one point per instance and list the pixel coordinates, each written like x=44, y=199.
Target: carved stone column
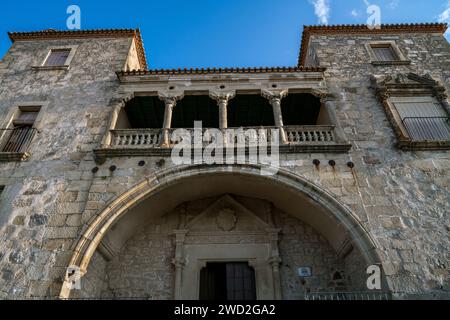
x=170, y=102
x=275, y=98
x=274, y=261
x=222, y=101
x=179, y=261
x=107, y=139
x=328, y=102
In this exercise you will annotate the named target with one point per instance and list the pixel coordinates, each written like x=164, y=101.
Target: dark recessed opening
x=249, y=110
x=227, y=281
x=145, y=112
x=300, y=109
x=195, y=108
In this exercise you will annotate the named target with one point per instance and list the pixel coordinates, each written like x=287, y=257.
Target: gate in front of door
x=227, y=281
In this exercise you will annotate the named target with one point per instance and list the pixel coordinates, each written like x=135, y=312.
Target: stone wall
x=402, y=198
x=144, y=267
x=42, y=204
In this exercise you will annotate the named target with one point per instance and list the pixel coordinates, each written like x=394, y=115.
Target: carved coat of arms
x=226, y=219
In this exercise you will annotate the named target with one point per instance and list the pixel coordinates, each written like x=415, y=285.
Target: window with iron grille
x=423, y=118
x=18, y=137
x=384, y=53
x=57, y=57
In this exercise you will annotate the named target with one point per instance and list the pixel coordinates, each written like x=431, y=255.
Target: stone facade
x=55, y=206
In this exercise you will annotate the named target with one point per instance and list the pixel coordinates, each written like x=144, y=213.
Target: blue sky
x=214, y=33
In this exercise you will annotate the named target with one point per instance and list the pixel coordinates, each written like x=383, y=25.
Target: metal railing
x=341, y=296
x=295, y=135
x=16, y=140
x=427, y=128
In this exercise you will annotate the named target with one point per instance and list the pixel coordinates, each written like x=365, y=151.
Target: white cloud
x=322, y=10
x=393, y=4
x=354, y=13
x=445, y=17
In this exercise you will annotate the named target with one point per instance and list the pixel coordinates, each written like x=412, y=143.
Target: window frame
x=389, y=88
x=66, y=66
x=401, y=59
x=8, y=122
x=392, y=101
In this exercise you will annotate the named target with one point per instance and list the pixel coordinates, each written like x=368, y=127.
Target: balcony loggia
x=144, y=125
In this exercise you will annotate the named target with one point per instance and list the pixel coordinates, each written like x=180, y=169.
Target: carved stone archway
x=339, y=224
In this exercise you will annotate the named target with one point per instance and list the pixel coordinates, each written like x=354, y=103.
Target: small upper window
x=57, y=57
x=384, y=53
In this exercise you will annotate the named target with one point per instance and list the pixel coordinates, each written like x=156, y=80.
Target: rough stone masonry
x=60, y=188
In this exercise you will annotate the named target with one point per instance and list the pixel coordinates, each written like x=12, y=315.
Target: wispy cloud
x=322, y=10
x=393, y=4
x=444, y=16
x=354, y=13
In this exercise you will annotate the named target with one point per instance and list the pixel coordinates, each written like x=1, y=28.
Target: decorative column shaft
x=170, y=101
x=107, y=139
x=275, y=98
x=222, y=101
x=327, y=101
x=179, y=262
x=274, y=261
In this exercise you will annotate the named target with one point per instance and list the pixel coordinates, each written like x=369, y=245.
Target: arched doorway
x=199, y=214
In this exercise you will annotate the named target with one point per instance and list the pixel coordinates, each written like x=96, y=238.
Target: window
x=17, y=138
x=417, y=107
x=423, y=118
x=1, y=189
x=57, y=57
x=384, y=53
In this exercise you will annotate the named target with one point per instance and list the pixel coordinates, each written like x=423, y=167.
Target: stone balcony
x=297, y=139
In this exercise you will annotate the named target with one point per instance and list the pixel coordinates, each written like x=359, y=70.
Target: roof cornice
x=219, y=71
x=51, y=34
x=363, y=29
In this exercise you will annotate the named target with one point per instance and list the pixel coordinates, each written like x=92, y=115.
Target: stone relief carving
x=226, y=219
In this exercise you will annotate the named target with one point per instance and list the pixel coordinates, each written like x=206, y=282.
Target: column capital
x=222, y=97
x=170, y=98
x=322, y=94
x=274, y=95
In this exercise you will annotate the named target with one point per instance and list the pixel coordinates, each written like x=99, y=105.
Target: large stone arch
x=335, y=221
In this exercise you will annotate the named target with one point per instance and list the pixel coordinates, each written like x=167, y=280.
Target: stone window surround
x=374, y=61
x=66, y=66
x=7, y=122
x=410, y=85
